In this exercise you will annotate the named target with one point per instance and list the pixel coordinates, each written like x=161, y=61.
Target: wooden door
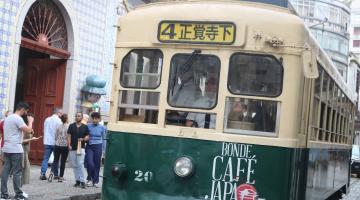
x=43, y=90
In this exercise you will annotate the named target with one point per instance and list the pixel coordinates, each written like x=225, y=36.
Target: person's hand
x=81, y=139
x=36, y=138
x=70, y=148
x=30, y=119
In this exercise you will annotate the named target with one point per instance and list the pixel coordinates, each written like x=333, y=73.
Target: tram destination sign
x=197, y=32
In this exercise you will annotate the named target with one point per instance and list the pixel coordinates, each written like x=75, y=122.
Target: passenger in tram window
x=185, y=91
x=207, y=100
x=239, y=112
x=265, y=118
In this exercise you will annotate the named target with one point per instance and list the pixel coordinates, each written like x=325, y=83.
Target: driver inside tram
x=206, y=100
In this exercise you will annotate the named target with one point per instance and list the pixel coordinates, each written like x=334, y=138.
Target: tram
x=224, y=100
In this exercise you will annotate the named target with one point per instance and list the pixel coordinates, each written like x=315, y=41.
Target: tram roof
x=250, y=17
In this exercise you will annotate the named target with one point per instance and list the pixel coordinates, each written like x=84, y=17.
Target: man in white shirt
x=207, y=101
x=50, y=125
x=14, y=127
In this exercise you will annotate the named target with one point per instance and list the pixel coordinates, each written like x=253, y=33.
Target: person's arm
x=190, y=118
x=69, y=140
x=104, y=139
x=87, y=133
x=30, y=139
x=27, y=128
x=189, y=123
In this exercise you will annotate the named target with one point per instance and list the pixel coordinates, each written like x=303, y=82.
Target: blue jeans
x=93, y=159
x=77, y=162
x=48, y=149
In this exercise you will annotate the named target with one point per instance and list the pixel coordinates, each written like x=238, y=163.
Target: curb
x=93, y=196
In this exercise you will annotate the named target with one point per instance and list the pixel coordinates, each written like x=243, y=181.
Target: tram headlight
x=184, y=167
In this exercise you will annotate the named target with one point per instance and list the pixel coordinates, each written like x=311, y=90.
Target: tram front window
x=194, y=78
x=194, y=82
x=255, y=75
x=251, y=116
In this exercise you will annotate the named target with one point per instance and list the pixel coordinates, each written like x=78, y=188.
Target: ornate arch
x=45, y=24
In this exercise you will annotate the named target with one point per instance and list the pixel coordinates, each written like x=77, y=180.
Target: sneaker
x=83, y=186
x=43, y=177
x=5, y=196
x=25, y=194
x=96, y=185
x=56, y=177
x=77, y=184
x=61, y=179
x=88, y=184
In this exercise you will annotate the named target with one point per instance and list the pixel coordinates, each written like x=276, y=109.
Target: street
x=354, y=193
x=40, y=190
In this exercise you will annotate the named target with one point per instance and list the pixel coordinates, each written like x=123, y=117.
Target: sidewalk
x=43, y=190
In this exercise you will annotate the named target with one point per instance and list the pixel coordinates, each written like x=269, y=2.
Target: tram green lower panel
x=224, y=170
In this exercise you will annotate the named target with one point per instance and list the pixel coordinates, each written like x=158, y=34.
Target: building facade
x=49, y=47
x=328, y=21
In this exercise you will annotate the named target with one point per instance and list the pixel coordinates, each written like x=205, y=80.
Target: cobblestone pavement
x=354, y=193
x=44, y=190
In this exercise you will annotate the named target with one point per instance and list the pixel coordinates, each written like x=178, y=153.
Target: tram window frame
x=171, y=80
x=256, y=94
x=123, y=68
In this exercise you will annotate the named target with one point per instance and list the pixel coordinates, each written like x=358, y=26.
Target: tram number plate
x=197, y=32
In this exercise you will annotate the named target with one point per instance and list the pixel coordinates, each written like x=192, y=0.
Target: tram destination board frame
x=197, y=32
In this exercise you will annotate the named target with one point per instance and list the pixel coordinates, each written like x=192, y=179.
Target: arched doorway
x=42, y=65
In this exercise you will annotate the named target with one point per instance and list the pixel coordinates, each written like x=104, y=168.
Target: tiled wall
x=92, y=20
x=8, y=11
x=95, y=19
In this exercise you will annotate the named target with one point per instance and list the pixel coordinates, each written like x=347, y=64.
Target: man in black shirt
x=78, y=133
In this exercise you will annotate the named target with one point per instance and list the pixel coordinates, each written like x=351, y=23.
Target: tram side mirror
x=309, y=63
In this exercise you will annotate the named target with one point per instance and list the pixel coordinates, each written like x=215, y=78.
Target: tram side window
x=138, y=106
x=250, y=116
x=330, y=111
x=256, y=75
x=141, y=68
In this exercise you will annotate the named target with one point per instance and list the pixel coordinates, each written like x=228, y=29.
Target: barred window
x=141, y=68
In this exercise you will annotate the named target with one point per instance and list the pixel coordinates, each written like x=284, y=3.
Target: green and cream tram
x=222, y=100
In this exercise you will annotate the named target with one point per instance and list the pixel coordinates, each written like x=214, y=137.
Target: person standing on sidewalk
x=61, y=147
x=50, y=125
x=14, y=126
x=7, y=113
x=93, y=149
x=78, y=133
x=27, y=138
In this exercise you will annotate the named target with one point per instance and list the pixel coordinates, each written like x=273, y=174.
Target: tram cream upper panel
x=251, y=32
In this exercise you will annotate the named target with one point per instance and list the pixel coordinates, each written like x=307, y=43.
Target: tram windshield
x=256, y=75
x=194, y=81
